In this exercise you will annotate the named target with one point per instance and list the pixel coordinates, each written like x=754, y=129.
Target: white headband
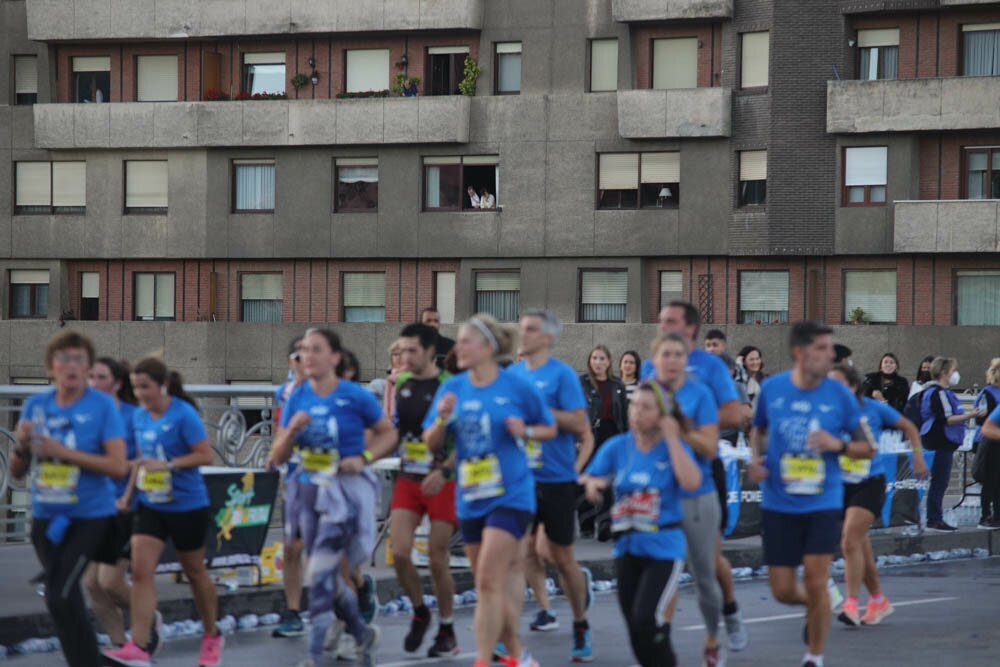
x=485, y=330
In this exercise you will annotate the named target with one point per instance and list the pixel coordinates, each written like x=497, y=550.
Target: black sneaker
x=445, y=645
x=940, y=527
x=154, y=634
x=415, y=637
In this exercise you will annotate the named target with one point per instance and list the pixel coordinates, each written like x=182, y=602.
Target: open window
x=445, y=69
x=461, y=183
x=91, y=79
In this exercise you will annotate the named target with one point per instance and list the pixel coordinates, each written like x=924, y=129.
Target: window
x=638, y=180
x=879, y=51
x=675, y=63
x=25, y=79
x=981, y=49
x=467, y=183
x=763, y=297
x=260, y=297
x=92, y=79
x=156, y=78
x=146, y=186
x=50, y=187
x=982, y=173
x=499, y=294
x=154, y=296
x=865, y=175
x=356, y=189
x=603, y=65
x=874, y=292
x=90, y=295
x=367, y=69
x=445, y=69
x=977, y=298
x=603, y=296
x=253, y=186
x=671, y=287
x=444, y=295
x=29, y=293
x=508, y=68
x=364, y=297
x=263, y=73
x=754, y=59
x=753, y=178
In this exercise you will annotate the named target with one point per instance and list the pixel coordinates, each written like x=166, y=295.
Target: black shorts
x=186, y=529
x=120, y=535
x=557, y=510
x=721, y=488
x=789, y=537
x=869, y=494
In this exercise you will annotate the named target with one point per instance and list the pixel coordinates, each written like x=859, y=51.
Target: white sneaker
x=347, y=648
x=736, y=631
x=836, y=597
x=333, y=634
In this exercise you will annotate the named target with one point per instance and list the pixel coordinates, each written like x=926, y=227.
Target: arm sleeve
x=571, y=392
x=192, y=429
x=602, y=464
x=114, y=425
x=722, y=385
x=706, y=412
x=370, y=409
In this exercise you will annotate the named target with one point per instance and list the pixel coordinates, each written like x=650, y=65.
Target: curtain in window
x=890, y=64
x=255, y=187
x=261, y=310
x=504, y=306
x=982, y=53
x=509, y=76
x=763, y=296
x=433, y=196
x=979, y=299
x=20, y=301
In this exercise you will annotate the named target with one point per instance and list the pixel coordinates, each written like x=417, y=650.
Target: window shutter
x=865, y=165
x=880, y=37
x=675, y=63
x=977, y=27
x=357, y=162
x=146, y=184
x=261, y=286
x=433, y=160
x=275, y=58
x=661, y=167
x=603, y=64
x=754, y=59
x=605, y=287
x=364, y=289
x=764, y=290
x=90, y=285
x=29, y=276
x=480, y=159
x=144, y=295
x=509, y=47
x=25, y=74
x=872, y=291
x=367, y=69
x=446, y=50
x=444, y=295
x=506, y=281
x=34, y=184
x=753, y=166
x=671, y=287
x=157, y=78
x=69, y=183
x=619, y=171
x=165, y=295
x=92, y=64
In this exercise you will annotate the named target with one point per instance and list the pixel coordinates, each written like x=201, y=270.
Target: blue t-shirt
x=131, y=452
x=338, y=421
x=810, y=483
x=880, y=417
x=707, y=369
x=560, y=387
x=169, y=437
x=995, y=415
x=84, y=425
x=696, y=403
x=641, y=481
x=492, y=465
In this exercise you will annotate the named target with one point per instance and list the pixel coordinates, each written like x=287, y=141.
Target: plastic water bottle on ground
x=270, y=619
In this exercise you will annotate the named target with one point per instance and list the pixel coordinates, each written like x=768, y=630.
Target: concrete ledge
x=946, y=226
x=628, y=11
x=686, y=112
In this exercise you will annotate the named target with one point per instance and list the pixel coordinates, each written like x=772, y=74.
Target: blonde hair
x=993, y=372
x=940, y=365
x=396, y=347
x=504, y=335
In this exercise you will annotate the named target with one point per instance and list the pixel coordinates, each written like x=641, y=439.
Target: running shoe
x=211, y=650
x=129, y=655
x=582, y=650
x=588, y=580
x=418, y=628
x=368, y=599
x=849, y=614
x=333, y=634
x=368, y=646
x=291, y=626
x=988, y=524
x=714, y=657
x=526, y=660
x=347, y=647
x=445, y=645
x=500, y=652
x=875, y=612
x=545, y=621
x=154, y=634
x=736, y=631
x=940, y=527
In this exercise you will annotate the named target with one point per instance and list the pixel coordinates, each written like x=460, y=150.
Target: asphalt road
x=946, y=614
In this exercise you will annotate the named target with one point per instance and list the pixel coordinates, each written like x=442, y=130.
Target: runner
x=335, y=503
x=487, y=412
x=425, y=486
x=556, y=466
x=173, y=504
x=683, y=318
x=72, y=437
x=648, y=467
x=804, y=421
x=864, y=496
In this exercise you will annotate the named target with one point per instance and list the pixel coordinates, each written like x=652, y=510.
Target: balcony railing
x=947, y=226
x=912, y=105
x=685, y=112
x=628, y=11
x=393, y=120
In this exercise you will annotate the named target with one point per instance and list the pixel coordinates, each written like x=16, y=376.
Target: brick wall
x=942, y=162
x=709, y=37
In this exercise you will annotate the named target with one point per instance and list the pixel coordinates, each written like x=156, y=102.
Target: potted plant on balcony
x=299, y=80
x=467, y=86
x=857, y=316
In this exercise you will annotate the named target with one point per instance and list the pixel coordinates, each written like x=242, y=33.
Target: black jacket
x=895, y=389
x=619, y=402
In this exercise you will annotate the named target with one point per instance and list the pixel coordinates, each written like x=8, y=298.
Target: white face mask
x=954, y=379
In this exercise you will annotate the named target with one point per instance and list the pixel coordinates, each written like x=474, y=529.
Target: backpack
x=912, y=408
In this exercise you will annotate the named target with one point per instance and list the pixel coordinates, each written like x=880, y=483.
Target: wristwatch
x=529, y=432
x=843, y=448
x=445, y=472
x=170, y=465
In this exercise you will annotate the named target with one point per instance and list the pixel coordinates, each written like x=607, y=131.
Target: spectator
x=384, y=388
x=752, y=361
x=842, y=355
x=486, y=200
x=432, y=318
x=628, y=365
x=715, y=343
x=923, y=376
x=988, y=454
x=473, y=197
x=886, y=384
x=349, y=367
x=410, y=88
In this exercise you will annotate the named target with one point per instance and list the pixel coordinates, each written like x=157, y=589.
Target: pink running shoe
x=876, y=612
x=129, y=655
x=211, y=650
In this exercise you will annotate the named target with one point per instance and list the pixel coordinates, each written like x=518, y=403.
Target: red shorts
x=440, y=507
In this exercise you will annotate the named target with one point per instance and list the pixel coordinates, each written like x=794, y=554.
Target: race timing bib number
x=480, y=478
x=803, y=476
x=158, y=485
x=534, y=451
x=416, y=457
x=637, y=511
x=320, y=465
x=855, y=470
x=56, y=483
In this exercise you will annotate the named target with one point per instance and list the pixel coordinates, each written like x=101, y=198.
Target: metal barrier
x=239, y=420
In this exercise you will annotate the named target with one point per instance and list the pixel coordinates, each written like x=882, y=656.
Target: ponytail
x=120, y=372
x=175, y=387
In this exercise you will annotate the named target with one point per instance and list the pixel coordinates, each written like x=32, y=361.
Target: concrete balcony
x=664, y=114
x=63, y=20
x=947, y=226
x=413, y=120
x=630, y=11
x=911, y=105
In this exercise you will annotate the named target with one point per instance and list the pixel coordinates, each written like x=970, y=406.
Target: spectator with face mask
x=923, y=376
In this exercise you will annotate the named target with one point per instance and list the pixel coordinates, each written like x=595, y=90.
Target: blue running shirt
x=166, y=438
x=879, y=417
x=707, y=369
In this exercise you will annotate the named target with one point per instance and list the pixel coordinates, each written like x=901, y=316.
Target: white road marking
x=427, y=661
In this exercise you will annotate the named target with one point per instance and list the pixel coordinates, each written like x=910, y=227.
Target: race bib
x=320, y=465
x=855, y=471
x=56, y=483
x=416, y=457
x=637, y=511
x=158, y=485
x=803, y=476
x=480, y=478
x=534, y=451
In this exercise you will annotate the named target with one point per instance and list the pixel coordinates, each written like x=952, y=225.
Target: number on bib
x=158, y=485
x=417, y=458
x=56, y=483
x=855, y=471
x=803, y=476
x=534, y=451
x=639, y=511
x=480, y=478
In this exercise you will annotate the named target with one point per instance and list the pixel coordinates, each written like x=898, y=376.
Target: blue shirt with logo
x=880, y=417
x=651, y=475
x=696, y=403
x=478, y=430
x=707, y=369
x=170, y=436
x=789, y=414
x=84, y=425
x=560, y=387
x=339, y=419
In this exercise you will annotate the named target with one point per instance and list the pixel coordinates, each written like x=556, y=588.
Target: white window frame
x=445, y=292
x=773, y=301
x=671, y=287
x=604, y=65
x=163, y=305
x=674, y=63
x=50, y=187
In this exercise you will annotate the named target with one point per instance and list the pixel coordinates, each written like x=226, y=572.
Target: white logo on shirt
x=472, y=406
x=661, y=465
x=406, y=393
x=82, y=419
x=801, y=406
x=823, y=407
x=166, y=427
x=341, y=402
x=639, y=478
x=501, y=400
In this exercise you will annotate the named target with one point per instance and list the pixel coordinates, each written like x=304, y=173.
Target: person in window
x=473, y=197
x=886, y=384
x=486, y=200
x=410, y=88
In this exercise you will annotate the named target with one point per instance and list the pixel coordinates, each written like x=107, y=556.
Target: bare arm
x=585, y=450
x=756, y=470
x=730, y=414
x=686, y=471
x=200, y=455
x=991, y=430
x=704, y=440
x=384, y=439
x=572, y=421
x=435, y=433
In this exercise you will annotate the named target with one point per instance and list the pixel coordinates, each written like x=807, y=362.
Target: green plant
x=857, y=316
x=400, y=81
x=472, y=72
x=299, y=80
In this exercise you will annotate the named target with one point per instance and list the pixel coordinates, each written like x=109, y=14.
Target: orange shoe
x=849, y=614
x=875, y=612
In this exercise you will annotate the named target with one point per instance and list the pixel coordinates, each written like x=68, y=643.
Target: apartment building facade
x=209, y=177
